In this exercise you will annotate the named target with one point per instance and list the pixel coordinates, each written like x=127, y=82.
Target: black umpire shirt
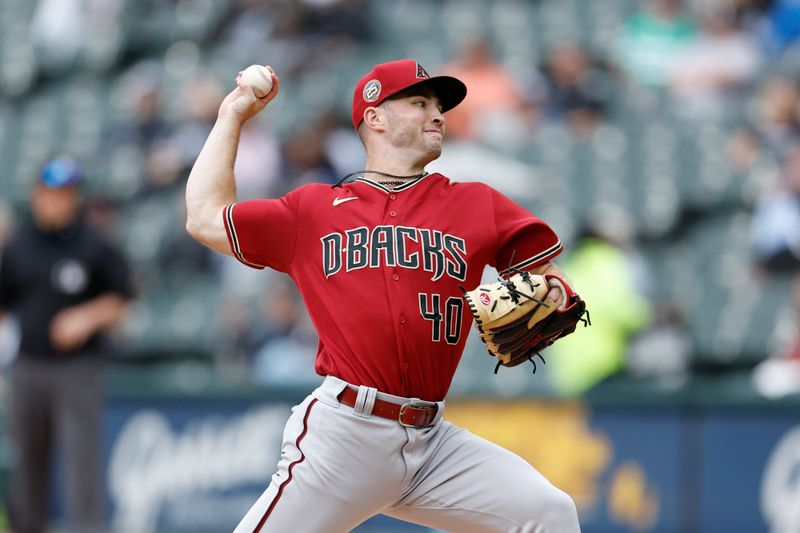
x=42, y=273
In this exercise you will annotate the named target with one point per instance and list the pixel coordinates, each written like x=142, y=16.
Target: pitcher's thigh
x=472, y=485
x=323, y=483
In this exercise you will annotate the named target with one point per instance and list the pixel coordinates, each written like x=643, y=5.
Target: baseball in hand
x=259, y=78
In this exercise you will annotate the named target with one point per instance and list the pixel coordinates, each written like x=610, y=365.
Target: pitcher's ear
x=374, y=118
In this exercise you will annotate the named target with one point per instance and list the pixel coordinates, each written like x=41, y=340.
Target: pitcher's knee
x=551, y=512
x=560, y=514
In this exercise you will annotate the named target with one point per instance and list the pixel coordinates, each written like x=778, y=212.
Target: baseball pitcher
x=389, y=265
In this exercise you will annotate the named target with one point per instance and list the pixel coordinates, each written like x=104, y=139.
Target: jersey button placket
x=396, y=277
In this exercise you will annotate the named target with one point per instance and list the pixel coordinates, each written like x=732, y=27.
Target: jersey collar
x=399, y=188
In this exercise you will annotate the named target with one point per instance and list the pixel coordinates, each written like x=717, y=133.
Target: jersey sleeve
x=524, y=241
x=263, y=233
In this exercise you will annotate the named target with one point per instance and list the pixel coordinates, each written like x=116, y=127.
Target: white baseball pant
x=340, y=466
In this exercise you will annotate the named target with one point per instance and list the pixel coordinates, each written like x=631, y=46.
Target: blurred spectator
x=652, y=40
x=777, y=115
x=9, y=329
x=277, y=345
x=269, y=338
x=57, y=29
x=289, y=342
x=66, y=286
x=144, y=131
x=751, y=164
x=578, y=91
x=780, y=26
x=342, y=146
x=67, y=31
x=776, y=221
x=239, y=338
x=306, y=159
x=601, y=269
x=247, y=32
x=164, y=166
x=492, y=91
x=779, y=374
x=664, y=349
x=201, y=96
x=281, y=312
x=177, y=253
x=300, y=36
x=717, y=67
x=756, y=150
x=259, y=162
x=142, y=119
x=327, y=32
x=102, y=215
x=335, y=17
x=7, y=222
x=791, y=351
x=136, y=139
x=744, y=150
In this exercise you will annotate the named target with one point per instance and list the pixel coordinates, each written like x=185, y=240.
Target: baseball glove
x=517, y=322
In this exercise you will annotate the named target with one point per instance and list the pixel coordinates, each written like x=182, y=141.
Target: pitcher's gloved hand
x=516, y=320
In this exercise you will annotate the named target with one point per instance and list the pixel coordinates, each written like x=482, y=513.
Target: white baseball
x=259, y=78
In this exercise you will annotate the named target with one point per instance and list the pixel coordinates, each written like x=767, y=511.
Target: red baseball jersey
x=379, y=270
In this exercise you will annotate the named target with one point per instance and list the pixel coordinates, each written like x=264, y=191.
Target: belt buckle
x=415, y=403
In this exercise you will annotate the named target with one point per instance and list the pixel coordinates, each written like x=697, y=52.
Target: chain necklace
x=393, y=182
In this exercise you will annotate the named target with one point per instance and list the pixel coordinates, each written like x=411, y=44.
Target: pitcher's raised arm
x=211, y=185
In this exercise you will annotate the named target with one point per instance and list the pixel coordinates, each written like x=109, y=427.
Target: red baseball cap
x=387, y=79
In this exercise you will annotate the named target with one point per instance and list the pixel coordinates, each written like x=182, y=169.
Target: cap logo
x=421, y=72
x=372, y=90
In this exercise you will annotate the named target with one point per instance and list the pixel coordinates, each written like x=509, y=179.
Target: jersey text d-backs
x=379, y=270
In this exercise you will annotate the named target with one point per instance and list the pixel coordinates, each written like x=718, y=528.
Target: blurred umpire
x=66, y=286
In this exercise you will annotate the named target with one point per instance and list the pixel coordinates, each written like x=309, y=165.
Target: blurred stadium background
x=660, y=138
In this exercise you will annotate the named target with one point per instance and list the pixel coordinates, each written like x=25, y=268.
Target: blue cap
x=61, y=172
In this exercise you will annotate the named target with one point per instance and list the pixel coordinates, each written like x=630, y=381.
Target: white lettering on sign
x=154, y=468
x=780, y=485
